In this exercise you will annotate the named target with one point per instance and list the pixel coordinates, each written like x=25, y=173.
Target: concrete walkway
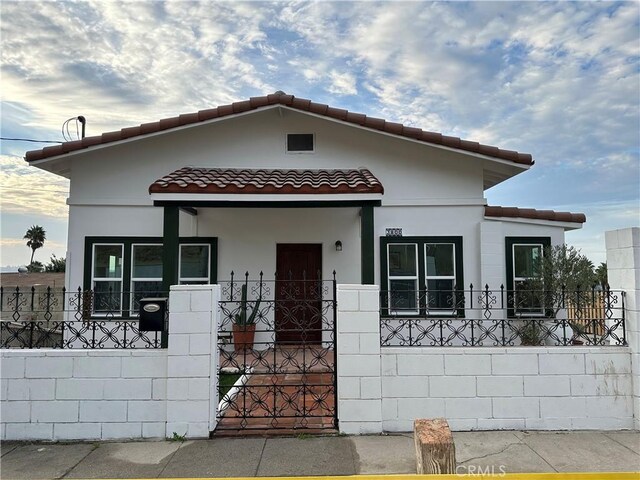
x=233, y=457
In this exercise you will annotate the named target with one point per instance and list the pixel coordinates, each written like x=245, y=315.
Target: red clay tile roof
x=513, y=212
x=280, y=98
x=241, y=180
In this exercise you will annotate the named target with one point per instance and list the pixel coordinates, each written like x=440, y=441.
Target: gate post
x=192, y=360
x=623, y=268
x=359, y=394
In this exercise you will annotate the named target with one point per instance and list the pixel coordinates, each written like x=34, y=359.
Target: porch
x=251, y=211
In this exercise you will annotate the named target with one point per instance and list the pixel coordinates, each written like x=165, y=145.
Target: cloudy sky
x=558, y=80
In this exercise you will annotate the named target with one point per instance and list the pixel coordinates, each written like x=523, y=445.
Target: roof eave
x=567, y=226
x=94, y=144
x=124, y=141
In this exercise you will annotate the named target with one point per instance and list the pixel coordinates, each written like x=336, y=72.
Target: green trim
x=367, y=255
x=508, y=248
x=267, y=204
x=170, y=247
x=128, y=242
x=420, y=241
x=508, y=252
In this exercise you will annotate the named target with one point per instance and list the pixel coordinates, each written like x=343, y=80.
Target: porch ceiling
x=267, y=181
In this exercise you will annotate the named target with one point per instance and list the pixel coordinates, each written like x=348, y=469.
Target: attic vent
x=300, y=142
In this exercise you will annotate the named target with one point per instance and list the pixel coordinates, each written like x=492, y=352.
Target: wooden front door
x=298, y=312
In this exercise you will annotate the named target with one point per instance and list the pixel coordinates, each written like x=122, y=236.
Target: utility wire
x=29, y=140
x=40, y=190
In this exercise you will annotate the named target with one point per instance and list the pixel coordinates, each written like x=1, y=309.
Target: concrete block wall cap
x=109, y=352
x=189, y=288
x=150, y=352
x=21, y=353
x=347, y=286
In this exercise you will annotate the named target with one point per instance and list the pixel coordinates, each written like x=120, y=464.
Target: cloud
x=15, y=242
x=555, y=79
x=26, y=189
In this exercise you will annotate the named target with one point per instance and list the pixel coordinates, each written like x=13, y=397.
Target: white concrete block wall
x=623, y=266
x=479, y=388
x=487, y=388
x=358, y=368
x=192, y=360
x=51, y=394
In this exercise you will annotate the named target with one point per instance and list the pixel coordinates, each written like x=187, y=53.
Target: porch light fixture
x=338, y=246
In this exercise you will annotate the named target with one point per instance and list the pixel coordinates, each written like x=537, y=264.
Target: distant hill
x=27, y=280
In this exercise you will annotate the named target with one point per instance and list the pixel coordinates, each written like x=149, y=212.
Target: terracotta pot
x=243, y=336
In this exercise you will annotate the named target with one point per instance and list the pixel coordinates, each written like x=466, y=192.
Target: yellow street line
x=460, y=476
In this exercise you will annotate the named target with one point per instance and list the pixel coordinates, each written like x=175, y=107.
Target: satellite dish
x=22, y=270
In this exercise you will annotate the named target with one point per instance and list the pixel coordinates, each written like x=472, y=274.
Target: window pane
x=402, y=295
x=402, y=260
x=106, y=297
x=526, y=258
x=439, y=259
x=194, y=261
x=194, y=282
x=526, y=300
x=144, y=290
x=147, y=261
x=440, y=294
x=107, y=261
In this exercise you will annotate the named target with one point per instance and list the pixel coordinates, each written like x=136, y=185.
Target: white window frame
x=299, y=152
x=139, y=279
x=95, y=279
x=427, y=277
x=524, y=279
x=185, y=280
x=416, y=278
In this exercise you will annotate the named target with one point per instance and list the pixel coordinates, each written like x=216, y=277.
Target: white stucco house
x=279, y=183
x=299, y=190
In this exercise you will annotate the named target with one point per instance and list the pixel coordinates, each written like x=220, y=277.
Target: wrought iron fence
x=45, y=317
x=485, y=317
x=279, y=336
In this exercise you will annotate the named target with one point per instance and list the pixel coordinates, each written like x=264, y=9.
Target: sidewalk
x=339, y=455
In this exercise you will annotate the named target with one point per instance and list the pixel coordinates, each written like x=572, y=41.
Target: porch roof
x=267, y=181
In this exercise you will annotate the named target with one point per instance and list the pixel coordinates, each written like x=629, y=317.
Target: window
x=106, y=281
x=422, y=275
x=146, y=273
x=300, y=142
x=523, y=258
x=440, y=279
x=122, y=270
x=194, y=264
x=403, y=277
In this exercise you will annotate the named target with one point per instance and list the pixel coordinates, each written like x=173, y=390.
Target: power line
x=39, y=189
x=29, y=140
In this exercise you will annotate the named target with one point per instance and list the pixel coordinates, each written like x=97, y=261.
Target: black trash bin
x=152, y=314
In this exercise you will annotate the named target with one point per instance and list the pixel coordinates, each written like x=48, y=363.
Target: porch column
x=366, y=245
x=170, y=247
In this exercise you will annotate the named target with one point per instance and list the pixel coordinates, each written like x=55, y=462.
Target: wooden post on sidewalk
x=435, y=451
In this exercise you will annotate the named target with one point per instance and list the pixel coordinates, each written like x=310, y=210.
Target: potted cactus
x=244, y=323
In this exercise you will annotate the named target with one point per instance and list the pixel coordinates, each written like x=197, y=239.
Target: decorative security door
x=282, y=380
x=298, y=319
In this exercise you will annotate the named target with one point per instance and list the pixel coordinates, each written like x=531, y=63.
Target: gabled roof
x=530, y=213
x=267, y=181
x=280, y=98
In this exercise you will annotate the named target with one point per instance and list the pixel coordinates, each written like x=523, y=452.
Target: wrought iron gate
x=277, y=367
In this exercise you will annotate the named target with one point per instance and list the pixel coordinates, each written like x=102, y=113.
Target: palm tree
x=36, y=237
